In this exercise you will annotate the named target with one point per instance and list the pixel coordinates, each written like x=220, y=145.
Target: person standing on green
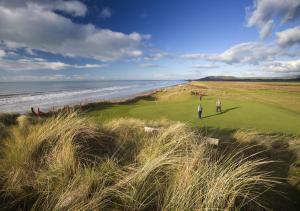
x=218, y=105
x=200, y=109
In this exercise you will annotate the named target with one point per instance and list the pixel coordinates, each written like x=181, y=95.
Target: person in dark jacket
x=200, y=109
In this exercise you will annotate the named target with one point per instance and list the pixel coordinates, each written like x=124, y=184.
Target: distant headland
x=249, y=79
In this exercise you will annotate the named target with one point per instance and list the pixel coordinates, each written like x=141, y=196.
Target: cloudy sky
x=148, y=39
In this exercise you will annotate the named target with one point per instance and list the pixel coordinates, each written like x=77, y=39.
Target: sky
x=148, y=39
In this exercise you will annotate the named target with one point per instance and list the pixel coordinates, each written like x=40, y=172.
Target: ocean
x=21, y=96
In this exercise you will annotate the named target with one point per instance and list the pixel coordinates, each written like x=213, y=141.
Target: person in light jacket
x=218, y=105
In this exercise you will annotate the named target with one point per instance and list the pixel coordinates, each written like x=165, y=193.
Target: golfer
x=200, y=109
x=218, y=105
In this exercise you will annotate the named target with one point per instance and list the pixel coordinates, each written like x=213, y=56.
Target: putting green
x=236, y=114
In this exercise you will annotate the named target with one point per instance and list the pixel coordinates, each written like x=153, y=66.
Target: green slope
x=236, y=114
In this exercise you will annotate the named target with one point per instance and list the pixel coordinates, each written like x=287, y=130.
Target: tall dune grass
x=67, y=163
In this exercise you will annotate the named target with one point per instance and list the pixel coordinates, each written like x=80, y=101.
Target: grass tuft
x=67, y=163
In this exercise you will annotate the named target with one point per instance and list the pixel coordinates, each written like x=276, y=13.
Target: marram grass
x=67, y=163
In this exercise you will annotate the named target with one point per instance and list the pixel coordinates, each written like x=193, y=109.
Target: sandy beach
x=16, y=97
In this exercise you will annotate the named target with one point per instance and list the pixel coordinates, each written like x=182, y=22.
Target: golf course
x=152, y=152
x=264, y=107
x=265, y=115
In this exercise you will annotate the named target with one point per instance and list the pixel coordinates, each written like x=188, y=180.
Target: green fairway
x=237, y=113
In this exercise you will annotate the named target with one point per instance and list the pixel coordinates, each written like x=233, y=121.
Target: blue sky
x=148, y=39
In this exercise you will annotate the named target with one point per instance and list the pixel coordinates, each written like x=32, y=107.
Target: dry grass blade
x=67, y=163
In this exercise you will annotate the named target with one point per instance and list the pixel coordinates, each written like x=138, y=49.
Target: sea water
x=21, y=96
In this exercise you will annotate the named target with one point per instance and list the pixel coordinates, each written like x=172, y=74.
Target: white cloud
x=251, y=53
x=289, y=37
x=41, y=64
x=206, y=66
x=282, y=66
x=246, y=53
x=30, y=52
x=149, y=65
x=75, y=8
x=155, y=56
x=2, y=53
x=267, y=58
x=71, y=7
x=265, y=12
x=90, y=66
x=266, y=29
x=194, y=56
x=106, y=12
x=38, y=27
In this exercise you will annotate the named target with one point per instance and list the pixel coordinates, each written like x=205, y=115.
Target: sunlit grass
x=68, y=163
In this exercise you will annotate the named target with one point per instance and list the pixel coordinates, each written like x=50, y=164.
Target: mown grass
x=68, y=163
x=243, y=107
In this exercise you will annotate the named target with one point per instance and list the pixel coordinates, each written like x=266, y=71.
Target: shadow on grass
x=107, y=104
x=285, y=196
x=223, y=112
x=136, y=99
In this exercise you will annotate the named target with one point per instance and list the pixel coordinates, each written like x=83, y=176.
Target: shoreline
x=85, y=106
x=121, y=100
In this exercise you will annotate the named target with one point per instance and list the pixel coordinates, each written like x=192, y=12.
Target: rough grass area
x=264, y=107
x=6, y=120
x=68, y=163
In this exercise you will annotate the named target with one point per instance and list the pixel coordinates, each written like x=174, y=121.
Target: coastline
x=121, y=100
x=85, y=106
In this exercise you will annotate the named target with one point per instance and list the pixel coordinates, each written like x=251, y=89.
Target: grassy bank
x=264, y=107
x=68, y=163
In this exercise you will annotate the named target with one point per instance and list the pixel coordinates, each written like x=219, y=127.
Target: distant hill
x=251, y=79
x=219, y=78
